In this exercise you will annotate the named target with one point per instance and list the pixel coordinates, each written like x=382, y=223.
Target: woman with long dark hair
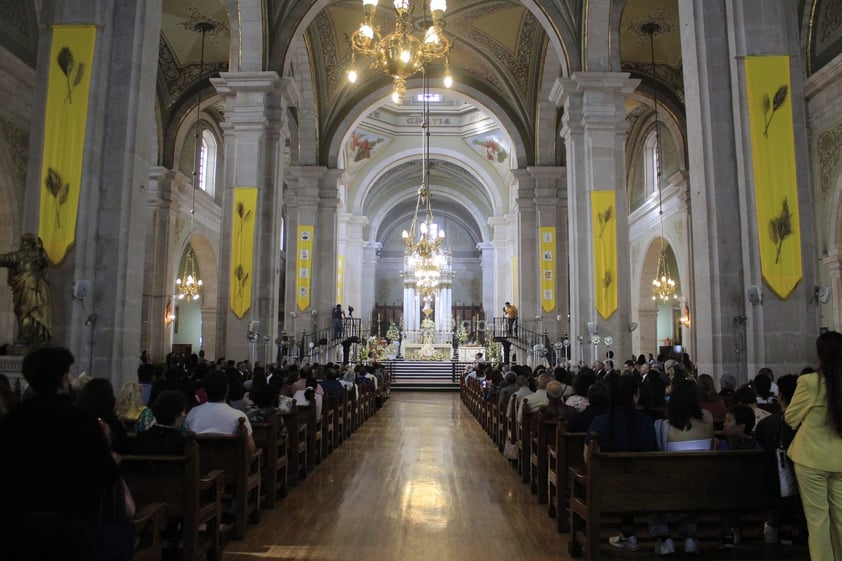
x=816, y=451
x=687, y=427
x=623, y=429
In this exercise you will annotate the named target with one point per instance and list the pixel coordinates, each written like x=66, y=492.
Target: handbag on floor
x=786, y=473
x=510, y=451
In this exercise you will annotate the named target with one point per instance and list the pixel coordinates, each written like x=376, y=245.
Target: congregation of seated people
x=89, y=425
x=666, y=405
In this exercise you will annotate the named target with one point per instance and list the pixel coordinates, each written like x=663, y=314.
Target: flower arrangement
x=461, y=334
x=492, y=352
x=393, y=333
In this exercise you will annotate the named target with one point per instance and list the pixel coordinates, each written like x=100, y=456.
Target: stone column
x=551, y=206
x=350, y=245
x=444, y=302
x=255, y=131
x=162, y=207
x=527, y=299
x=104, y=331
x=369, y=266
x=715, y=39
x=487, y=266
x=504, y=249
x=302, y=210
x=324, y=257
x=411, y=321
x=594, y=131
x=833, y=268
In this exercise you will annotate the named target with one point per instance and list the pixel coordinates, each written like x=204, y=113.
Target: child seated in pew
x=738, y=427
x=166, y=436
x=265, y=398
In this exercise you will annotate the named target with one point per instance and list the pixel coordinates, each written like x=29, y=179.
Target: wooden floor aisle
x=418, y=481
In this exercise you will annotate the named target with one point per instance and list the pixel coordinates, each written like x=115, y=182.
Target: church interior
x=539, y=181
x=550, y=104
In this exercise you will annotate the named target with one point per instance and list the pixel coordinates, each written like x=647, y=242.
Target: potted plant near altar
x=393, y=335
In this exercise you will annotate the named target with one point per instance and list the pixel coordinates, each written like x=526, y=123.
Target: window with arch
x=207, y=163
x=650, y=164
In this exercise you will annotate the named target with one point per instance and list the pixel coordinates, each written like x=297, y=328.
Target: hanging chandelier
x=425, y=254
x=189, y=284
x=663, y=285
x=400, y=54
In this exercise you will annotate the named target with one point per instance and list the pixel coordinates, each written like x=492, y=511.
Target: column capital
x=582, y=83
x=230, y=83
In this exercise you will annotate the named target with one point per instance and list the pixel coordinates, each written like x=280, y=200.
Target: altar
x=427, y=351
x=468, y=353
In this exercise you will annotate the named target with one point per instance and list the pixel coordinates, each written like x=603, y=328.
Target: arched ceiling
x=498, y=49
x=180, y=50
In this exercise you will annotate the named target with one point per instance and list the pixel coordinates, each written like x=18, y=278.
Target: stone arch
x=369, y=181
x=645, y=310
x=207, y=265
x=558, y=26
x=376, y=97
x=298, y=68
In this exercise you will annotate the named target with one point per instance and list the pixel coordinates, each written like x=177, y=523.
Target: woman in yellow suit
x=816, y=451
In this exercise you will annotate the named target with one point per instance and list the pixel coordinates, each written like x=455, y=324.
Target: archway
x=658, y=320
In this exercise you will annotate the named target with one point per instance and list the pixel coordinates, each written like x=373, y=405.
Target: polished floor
x=421, y=481
x=418, y=481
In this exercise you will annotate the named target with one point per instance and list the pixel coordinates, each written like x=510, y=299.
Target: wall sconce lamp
x=685, y=317
x=169, y=314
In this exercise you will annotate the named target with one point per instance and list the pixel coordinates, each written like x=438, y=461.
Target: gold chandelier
x=427, y=257
x=663, y=285
x=189, y=284
x=400, y=54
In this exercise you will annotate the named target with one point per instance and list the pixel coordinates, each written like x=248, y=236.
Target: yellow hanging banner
x=304, y=265
x=769, y=99
x=242, y=249
x=604, y=222
x=340, y=271
x=65, y=123
x=547, y=267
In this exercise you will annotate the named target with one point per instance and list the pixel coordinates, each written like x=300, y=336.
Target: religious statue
x=30, y=291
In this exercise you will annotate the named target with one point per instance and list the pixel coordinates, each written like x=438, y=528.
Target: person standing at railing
x=510, y=311
x=336, y=317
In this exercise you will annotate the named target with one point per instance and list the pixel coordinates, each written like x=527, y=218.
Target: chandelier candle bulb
x=401, y=54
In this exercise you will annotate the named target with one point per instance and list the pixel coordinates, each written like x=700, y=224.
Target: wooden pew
x=276, y=463
x=328, y=425
x=524, y=435
x=543, y=434
x=564, y=453
x=349, y=413
x=502, y=424
x=296, y=445
x=643, y=483
x=195, y=500
x=229, y=452
x=511, y=426
x=149, y=522
x=314, y=435
x=338, y=419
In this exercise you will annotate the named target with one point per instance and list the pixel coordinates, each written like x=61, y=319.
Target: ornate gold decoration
x=400, y=54
x=425, y=256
